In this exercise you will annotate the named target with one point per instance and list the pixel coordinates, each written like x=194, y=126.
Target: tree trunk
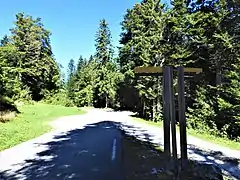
x=143, y=108
x=153, y=110
x=89, y=102
x=106, y=99
x=218, y=77
x=158, y=100
x=218, y=74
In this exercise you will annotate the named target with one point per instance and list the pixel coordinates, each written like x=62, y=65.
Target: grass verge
x=143, y=161
x=205, y=136
x=143, y=121
x=31, y=122
x=217, y=140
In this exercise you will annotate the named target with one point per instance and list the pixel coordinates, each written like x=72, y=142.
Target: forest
x=203, y=34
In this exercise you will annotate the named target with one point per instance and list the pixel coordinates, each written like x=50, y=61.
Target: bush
x=58, y=98
x=7, y=104
x=8, y=110
x=24, y=95
x=201, y=116
x=6, y=116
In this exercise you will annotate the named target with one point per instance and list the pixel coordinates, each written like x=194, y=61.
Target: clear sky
x=73, y=23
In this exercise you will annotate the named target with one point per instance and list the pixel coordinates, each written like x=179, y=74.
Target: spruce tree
x=104, y=90
x=104, y=49
x=40, y=72
x=4, y=41
x=213, y=38
x=71, y=79
x=142, y=32
x=85, y=83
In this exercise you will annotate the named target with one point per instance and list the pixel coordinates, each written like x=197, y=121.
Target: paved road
x=91, y=152
x=226, y=159
x=79, y=151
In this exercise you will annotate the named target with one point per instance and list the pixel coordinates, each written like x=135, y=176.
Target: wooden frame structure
x=169, y=106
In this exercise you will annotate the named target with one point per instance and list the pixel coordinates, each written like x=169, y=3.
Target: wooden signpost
x=169, y=106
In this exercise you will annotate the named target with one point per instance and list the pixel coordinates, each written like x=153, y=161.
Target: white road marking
x=114, y=149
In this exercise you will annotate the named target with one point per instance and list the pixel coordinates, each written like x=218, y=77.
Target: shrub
x=58, y=98
x=8, y=110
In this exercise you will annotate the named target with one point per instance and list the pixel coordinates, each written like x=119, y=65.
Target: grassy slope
x=31, y=123
x=205, y=136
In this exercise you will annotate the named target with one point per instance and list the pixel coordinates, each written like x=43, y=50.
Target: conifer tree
x=39, y=71
x=71, y=79
x=104, y=50
x=105, y=90
x=142, y=32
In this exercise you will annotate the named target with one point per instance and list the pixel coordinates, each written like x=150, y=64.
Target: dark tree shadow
x=138, y=133
x=228, y=164
x=73, y=155
x=144, y=160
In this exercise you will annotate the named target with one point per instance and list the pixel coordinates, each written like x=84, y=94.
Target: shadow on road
x=228, y=164
x=73, y=155
x=145, y=161
x=139, y=133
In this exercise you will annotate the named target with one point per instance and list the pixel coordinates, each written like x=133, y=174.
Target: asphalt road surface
x=92, y=152
x=89, y=147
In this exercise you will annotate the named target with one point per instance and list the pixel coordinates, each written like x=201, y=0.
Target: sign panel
x=193, y=70
x=148, y=69
x=158, y=70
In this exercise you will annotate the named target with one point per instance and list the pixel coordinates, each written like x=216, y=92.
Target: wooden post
x=166, y=109
x=172, y=117
x=182, y=117
x=168, y=105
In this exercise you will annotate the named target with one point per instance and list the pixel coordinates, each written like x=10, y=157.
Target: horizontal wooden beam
x=149, y=74
x=159, y=70
x=193, y=70
x=148, y=70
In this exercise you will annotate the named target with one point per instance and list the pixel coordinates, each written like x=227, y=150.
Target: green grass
x=205, y=136
x=32, y=122
x=217, y=140
x=143, y=121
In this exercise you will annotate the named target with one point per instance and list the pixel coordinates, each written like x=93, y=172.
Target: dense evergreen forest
x=193, y=33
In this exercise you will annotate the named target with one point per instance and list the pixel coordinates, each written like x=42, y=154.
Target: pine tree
x=81, y=63
x=5, y=40
x=40, y=72
x=91, y=58
x=85, y=83
x=142, y=32
x=71, y=69
x=104, y=91
x=10, y=84
x=104, y=50
x=214, y=41
x=71, y=79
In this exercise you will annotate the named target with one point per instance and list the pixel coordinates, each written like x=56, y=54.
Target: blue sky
x=73, y=23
